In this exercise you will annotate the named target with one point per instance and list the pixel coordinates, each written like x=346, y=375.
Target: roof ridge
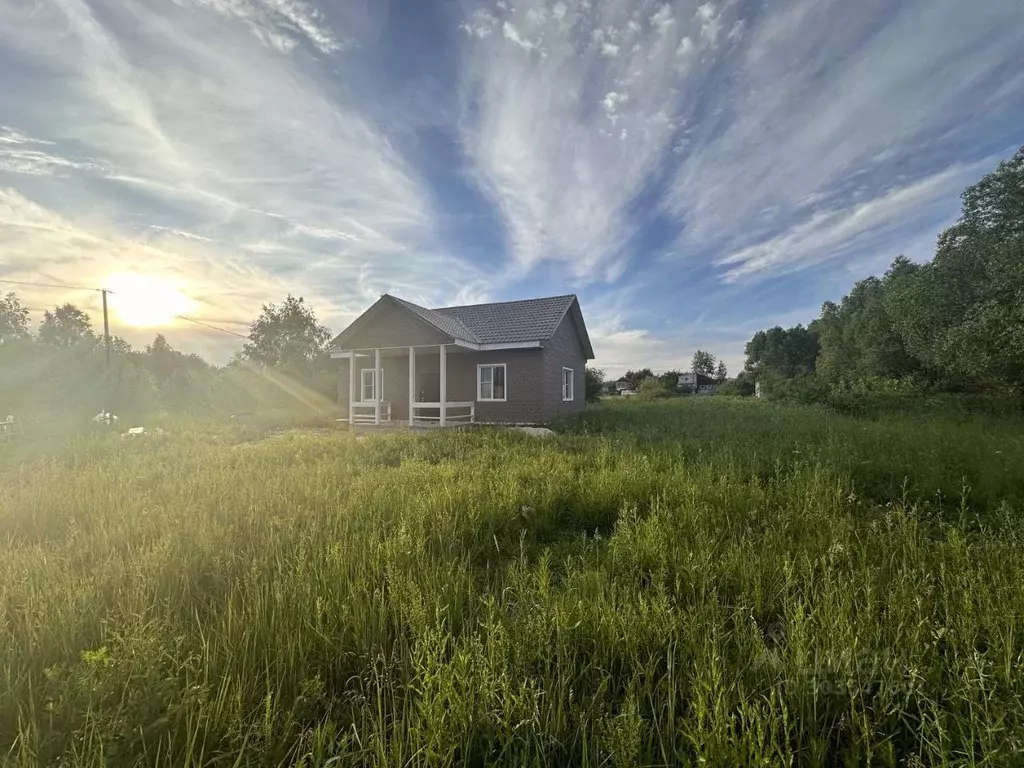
x=509, y=301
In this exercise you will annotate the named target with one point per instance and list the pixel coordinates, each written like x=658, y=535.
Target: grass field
x=687, y=582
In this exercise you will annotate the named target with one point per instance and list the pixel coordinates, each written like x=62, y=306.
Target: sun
x=146, y=302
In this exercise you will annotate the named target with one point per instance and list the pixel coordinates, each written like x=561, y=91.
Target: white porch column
x=412, y=385
x=444, y=381
x=377, y=388
x=351, y=387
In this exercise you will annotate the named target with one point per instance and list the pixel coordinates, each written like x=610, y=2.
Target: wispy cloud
x=827, y=98
x=736, y=120
x=281, y=24
x=868, y=225
x=568, y=115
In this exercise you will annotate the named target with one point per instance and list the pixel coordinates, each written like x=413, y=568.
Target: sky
x=694, y=171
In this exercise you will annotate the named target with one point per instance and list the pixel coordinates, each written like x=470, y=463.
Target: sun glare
x=146, y=302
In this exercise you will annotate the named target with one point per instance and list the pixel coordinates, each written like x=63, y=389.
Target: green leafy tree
x=67, y=326
x=636, y=377
x=703, y=362
x=721, y=373
x=962, y=314
x=13, y=319
x=992, y=209
x=288, y=335
x=670, y=379
x=593, y=381
x=783, y=352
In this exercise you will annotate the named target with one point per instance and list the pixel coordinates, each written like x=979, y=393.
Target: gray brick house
x=513, y=362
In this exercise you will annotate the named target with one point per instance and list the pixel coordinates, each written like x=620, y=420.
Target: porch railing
x=454, y=413
x=366, y=412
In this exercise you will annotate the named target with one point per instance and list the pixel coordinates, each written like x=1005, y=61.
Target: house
x=617, y=387
x=513, y=362
x=624, y=387
x=697, y=383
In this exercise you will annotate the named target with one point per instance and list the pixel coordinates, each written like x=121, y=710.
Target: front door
x=428, y=387
x=428, y=390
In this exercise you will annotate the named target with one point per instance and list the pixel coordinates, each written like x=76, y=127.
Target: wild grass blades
x=674, y=583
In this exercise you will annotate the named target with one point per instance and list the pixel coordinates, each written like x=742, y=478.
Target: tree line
x=60, y=369
x=953, y=324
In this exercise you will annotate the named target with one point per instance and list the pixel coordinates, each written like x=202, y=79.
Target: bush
x=593, y=380
x=652, y=389
x=741, y=386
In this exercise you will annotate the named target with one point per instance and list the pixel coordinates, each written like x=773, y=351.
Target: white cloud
x=831, y=233
x=820, y=92
x=280, y=24
x=662, y=20
x=481, y=24
x=710, y=22
x=181, y=233
x=10, y=135
x=537, y=127
x=620, y=347
x=512, y=34
x=754, y=121
x=36, y=163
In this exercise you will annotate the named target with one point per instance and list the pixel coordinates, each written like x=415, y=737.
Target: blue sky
x=695, y=171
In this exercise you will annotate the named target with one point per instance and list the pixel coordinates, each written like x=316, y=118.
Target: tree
x=670, y=379
x=783, y=352
x=287, y=335
x=703, y=363
x=593, y=381
x=993, y=208
x=635, y=377
x=13, y=319
x=67, y=326
x=721, y=373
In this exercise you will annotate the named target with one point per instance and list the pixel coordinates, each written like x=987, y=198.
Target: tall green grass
x=689, y=582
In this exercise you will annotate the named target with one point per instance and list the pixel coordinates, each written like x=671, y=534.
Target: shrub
x=593, y=380
x=652, y=389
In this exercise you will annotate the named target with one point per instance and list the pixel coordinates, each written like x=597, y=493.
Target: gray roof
x=440, y=320
x=505, y=322
x=509, y=322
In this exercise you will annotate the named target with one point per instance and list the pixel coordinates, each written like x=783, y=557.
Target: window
x=490, y=382
x=568, y=385
x=367, y=391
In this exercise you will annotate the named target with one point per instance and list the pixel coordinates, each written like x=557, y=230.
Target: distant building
x=697, y=384
x=624, y=387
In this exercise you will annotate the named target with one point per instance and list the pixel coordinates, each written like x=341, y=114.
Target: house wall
x=563, y=349
x=395, y=326
x=524, y=382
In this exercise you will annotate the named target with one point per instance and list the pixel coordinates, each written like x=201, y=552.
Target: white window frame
x=572, y=385
x=479, y=383
x=362, y=385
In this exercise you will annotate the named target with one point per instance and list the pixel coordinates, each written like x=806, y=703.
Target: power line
x=52, y=285
x=211, y=327
x=106, y=291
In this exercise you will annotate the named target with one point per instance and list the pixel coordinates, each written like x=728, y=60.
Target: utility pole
x=106, y=328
